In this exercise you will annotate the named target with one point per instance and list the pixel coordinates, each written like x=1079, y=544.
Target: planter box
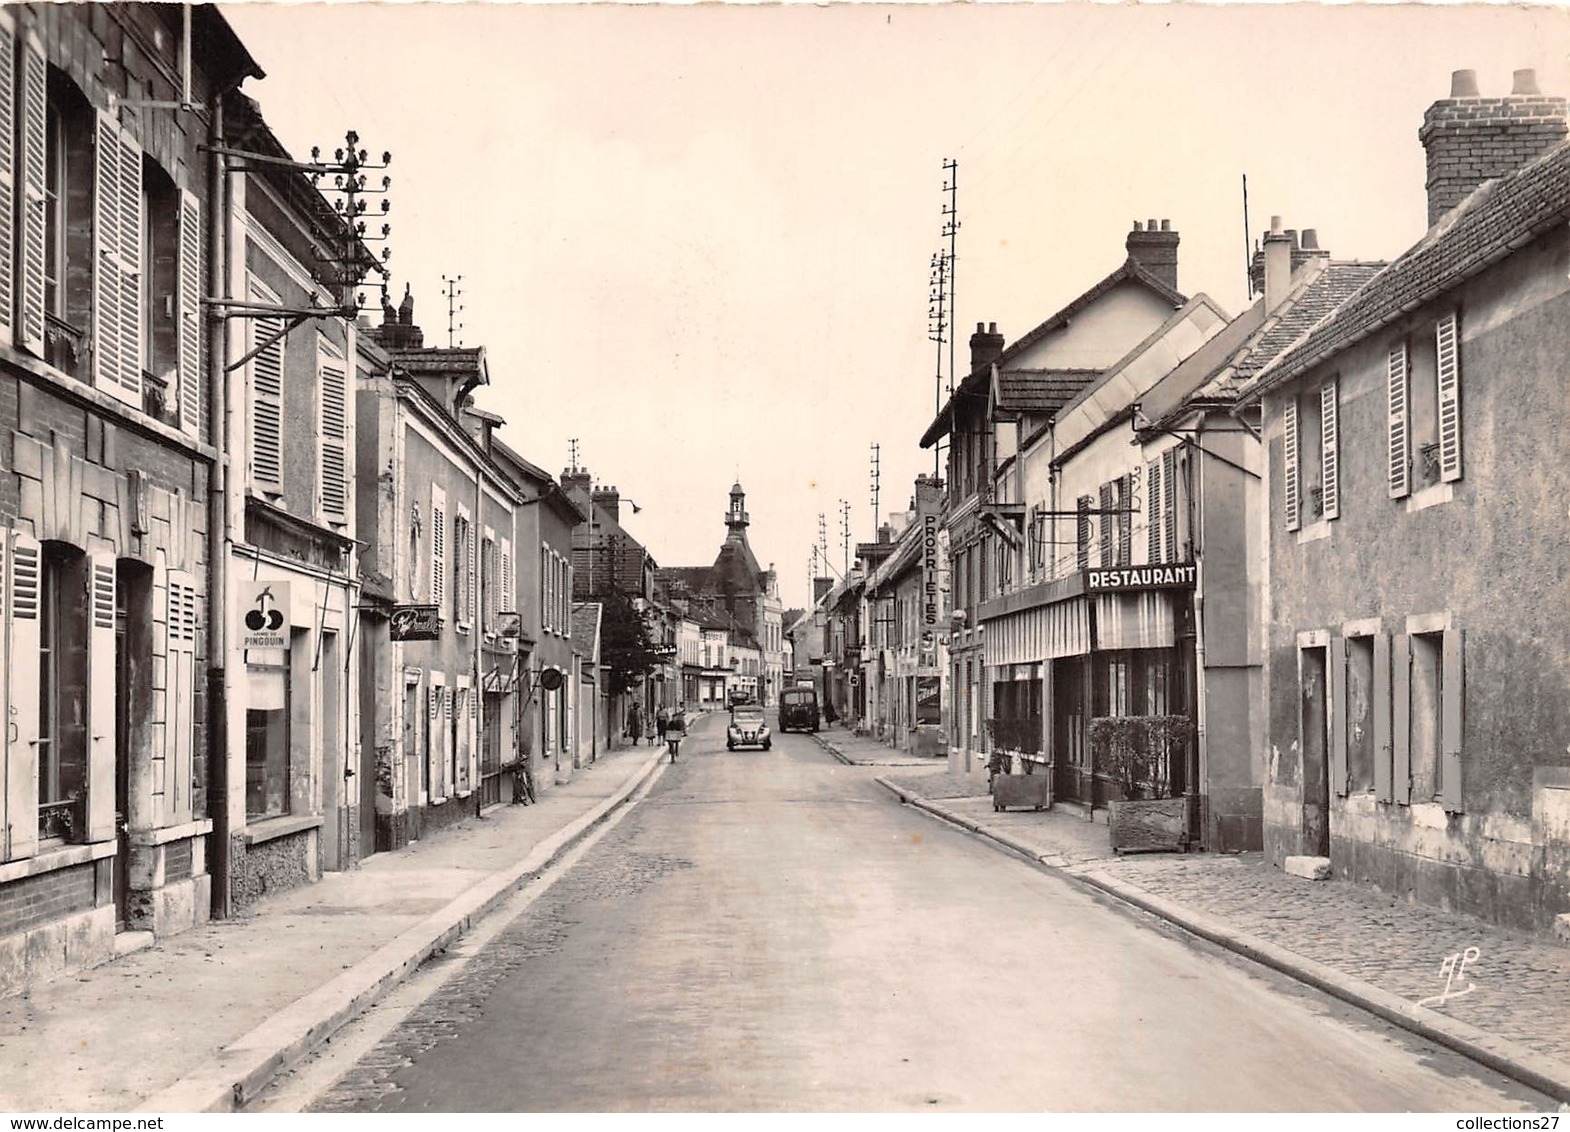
x=1033, y=790
x=1145, y=825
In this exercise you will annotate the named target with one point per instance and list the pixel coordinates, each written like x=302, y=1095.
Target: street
x=771, y=931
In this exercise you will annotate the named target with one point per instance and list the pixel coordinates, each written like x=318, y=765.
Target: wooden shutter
x=438, y=547
x=107, y=348
x=22, y=735
x=1452, y=696
x=1330, y=450
x=128, y=234
x=1339, y=770
x=1401, y=718
x=1381, y=696
x=266, y=389
x=34, y=156
x=1449, y=354
x=8, y=676
x=1105, y=525
x=1290, y=501
x=333, y=450
x=190, y=314
x=101, y=750
x=1169, y=470
x=469, y=587
x=8, y=170
x=179, y=695
x=1153, y=517
x=1081, y=535
x=508, y=601
x=1399, y=431
x=1125, y=493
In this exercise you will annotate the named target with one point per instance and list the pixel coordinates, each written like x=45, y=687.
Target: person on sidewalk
x=662, y=719
x=635, y=723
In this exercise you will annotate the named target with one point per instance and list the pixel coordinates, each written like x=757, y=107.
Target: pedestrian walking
x=634, y=724
x=662, y=719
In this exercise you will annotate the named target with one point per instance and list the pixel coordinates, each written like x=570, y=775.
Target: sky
x=698, y=239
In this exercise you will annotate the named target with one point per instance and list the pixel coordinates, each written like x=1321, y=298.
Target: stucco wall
x=1493, y=558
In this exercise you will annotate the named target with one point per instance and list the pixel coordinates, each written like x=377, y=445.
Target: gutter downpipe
x=1201, y=732
x=217, y=515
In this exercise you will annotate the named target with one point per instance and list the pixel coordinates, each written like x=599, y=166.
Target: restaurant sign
x=415, y=623
x=1171, y=577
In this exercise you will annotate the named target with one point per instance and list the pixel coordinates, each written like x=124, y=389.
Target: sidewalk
x=203, y=1020
x=1349, y=940
x=866, y=750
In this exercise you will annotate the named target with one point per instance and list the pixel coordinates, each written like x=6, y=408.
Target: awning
x=1136, y=620
x=1042, y=633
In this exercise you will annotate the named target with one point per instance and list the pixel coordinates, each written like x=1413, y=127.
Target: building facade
x=108, y=451
x=1419, y=640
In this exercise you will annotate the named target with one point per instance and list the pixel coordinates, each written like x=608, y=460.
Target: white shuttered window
x=1448, y=345
x=266, y=394
x=1330, y=449
x=333, y=454
x=1398, y=417
x=1290, y=498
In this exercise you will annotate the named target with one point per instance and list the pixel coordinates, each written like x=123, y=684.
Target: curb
x=239, y=1071
x=1513, y=1060
x=831, y=749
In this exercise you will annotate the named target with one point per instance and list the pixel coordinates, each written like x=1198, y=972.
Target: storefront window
x=267, y=742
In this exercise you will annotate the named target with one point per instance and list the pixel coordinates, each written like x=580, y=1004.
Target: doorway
x=1315, y=734
x=333, y=765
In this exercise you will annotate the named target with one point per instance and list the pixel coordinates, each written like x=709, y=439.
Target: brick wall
x=35, y=900
x=1472, y=140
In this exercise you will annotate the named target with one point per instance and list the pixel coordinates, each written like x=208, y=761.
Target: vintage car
x=799, y=709
x=747, y=728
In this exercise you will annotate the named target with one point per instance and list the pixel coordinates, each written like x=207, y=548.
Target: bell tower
x=736, y=517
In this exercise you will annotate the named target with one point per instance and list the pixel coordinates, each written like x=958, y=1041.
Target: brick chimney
x=1155, y=249
x=1302, y=251
x=398, y=330
x=608, y=499
x=986, y=346
x=1471, y=139
x=577, y=483
x=929, y=495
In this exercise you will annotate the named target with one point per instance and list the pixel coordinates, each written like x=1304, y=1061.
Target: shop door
x=370, y=727
x=1312, y=670
x=491, y=750
x=122, y=762
x=414, y=761
x=333, y=781
x=1070, y=724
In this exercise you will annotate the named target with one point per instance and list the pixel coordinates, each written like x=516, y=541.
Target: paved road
x=770, y=931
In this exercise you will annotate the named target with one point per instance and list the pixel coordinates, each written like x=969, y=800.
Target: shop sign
x=1173, y=577
x=415, y=623
x=929, y=701
x=264, y=615
x=929, y=570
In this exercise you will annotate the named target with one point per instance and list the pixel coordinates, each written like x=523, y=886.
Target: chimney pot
x=1463, y=84
x=981, y=327
x=1138, y=227
x=1525, y=82
x=992, y=328
x=1150, y=225
x=1166, y=225
x=1310, y=240
x=1275, y=224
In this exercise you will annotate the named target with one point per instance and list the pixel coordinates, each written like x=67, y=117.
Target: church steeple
x=736, y=517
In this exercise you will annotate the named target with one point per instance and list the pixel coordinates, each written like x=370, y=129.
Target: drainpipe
x=217, y=526
x=1201, y=731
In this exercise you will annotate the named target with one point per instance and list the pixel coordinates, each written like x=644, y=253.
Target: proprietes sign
x=929, y=571
x=1174, y=577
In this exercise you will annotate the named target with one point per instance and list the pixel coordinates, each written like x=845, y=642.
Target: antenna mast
x=845, y=532
x=937, y=331
x=875, y=451
x=1248, y=234
x=572, y=448
x=454, y=293
x=951, y=230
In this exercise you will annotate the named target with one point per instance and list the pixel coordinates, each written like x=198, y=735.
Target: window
x=1037, y=537
x=265, y=342
x=416, y=561
x=438, y=548
x=488, y=582
x=62, y=694
x=1428, y=695
x=63, y=202
x=1424, y=408
x=463, y=565
x=1356, y=707
x=267, y=741
x=170, y=378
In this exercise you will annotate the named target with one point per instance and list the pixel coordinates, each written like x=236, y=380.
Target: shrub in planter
x=1011, y=736
x=1137, y=752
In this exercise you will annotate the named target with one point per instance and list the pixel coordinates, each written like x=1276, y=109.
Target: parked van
x=799, y=709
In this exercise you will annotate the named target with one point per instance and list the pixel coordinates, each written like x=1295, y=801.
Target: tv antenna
x=454, y=293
